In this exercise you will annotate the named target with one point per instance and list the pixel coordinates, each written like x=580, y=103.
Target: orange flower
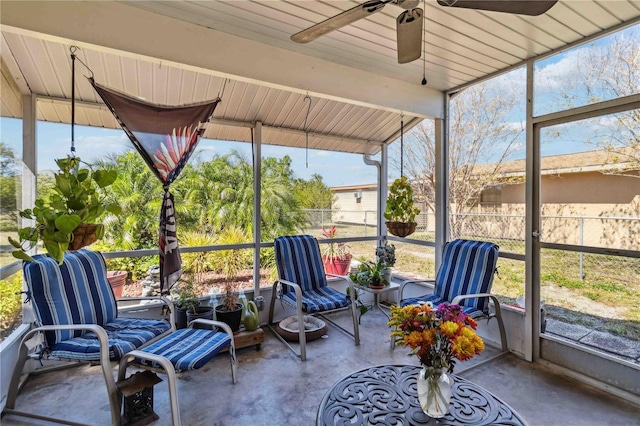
x=429, y=337
x=413, y=340
x=479, y=344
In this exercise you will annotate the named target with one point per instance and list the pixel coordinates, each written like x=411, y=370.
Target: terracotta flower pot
x=337, y=266
x=117, y=279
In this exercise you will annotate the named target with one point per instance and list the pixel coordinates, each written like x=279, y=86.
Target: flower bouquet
x=437, y=337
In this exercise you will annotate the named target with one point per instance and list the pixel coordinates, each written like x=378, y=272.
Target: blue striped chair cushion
x=125, y=335
x=298, y=260
x=322, y=299
x=188, y=348
x=467, y=268
x=436, y=300
x=76, y=292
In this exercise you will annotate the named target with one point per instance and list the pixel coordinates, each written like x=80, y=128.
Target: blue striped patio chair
x=303, y=284
x=464, y=278
x=76, y=313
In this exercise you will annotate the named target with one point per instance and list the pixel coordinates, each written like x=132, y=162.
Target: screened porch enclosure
x=327, y=106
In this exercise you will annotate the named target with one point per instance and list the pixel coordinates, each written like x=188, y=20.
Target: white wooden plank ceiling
x=332, y=125
x=461, y=46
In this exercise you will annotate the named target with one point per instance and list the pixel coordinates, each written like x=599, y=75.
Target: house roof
x=580, y=162
x=185, y=52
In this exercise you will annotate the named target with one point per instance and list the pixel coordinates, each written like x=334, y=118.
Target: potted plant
x=335, y=257
x=66, y=219
x=401, y=212
x=186, y=300
x=370, y=275
x=386, y=254
x=230, y=310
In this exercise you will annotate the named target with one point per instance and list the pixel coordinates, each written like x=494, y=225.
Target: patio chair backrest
x=298, y=260
x=467, y=268
x=76, y=292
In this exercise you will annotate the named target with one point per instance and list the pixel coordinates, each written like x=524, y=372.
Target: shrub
x=10, y=304
x=231, y=262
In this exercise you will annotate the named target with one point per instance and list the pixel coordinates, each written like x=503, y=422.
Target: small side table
x=376, y=295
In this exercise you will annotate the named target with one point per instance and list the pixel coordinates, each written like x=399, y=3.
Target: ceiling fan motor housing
x=409, y=25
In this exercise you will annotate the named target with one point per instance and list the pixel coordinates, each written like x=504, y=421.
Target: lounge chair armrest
x=422, y=283
x=103, y=338
x=214, y=323
x=296, y=288
x=474, y=296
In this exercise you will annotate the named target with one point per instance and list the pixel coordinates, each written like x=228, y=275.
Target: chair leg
x=503, y=333
x=105, y=364
x=354, y=314
x=23, y=355
x=302, y=354
x=302, y=337
x=234, y=366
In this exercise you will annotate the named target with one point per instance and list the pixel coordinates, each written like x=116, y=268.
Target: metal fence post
x=365, y=223
x=581, y=253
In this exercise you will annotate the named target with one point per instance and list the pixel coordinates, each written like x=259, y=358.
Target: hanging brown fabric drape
x=165, y=137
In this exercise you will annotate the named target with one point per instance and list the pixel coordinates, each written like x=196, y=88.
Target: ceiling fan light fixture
x=409, y=35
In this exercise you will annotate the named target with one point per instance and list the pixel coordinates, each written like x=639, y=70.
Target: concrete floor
x=275, y=388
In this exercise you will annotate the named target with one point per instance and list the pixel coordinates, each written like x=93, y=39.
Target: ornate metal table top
x=386, y=395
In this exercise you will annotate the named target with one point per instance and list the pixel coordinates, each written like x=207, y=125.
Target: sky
x=337, y=169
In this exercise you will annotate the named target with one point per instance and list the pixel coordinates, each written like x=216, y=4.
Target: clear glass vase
x=434, y=392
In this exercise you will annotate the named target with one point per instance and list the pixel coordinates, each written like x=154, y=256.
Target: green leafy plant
x=400, y=206
x=76, y=200
x=369, y=273
x=187, y=297
x=363, y=308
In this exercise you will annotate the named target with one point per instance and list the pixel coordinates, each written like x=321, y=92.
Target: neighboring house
x=355, y=204
x=581, y=195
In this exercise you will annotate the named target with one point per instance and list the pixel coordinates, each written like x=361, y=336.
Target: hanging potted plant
x=401, y=212
x=335, y=257
x=66, y=219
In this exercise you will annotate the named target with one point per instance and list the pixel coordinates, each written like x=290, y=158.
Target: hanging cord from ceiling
x=402, y=145
x=424, y=43
x=222, y=87
x=306, y=130
x=73, y=50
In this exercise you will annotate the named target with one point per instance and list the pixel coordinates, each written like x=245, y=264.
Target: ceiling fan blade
x=345, y=18
x=409, y=29
x=526, y=7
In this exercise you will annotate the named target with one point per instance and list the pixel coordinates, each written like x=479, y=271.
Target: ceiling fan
x=409, y=22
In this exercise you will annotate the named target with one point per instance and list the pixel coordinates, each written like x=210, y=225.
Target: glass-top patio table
x=386, y=395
